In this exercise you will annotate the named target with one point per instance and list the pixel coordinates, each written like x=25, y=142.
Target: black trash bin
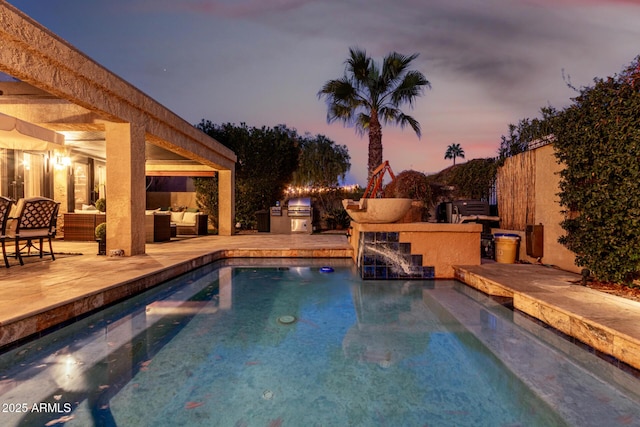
x=264, y=225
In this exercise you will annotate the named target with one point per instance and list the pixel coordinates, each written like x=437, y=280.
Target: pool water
x=275, y=345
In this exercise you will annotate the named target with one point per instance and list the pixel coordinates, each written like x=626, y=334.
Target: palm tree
x=453, y=151
x=368, y=94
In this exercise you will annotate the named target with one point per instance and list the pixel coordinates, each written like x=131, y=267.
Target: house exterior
x=106, y=136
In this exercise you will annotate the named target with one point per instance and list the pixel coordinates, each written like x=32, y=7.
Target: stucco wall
x=441, y=245
x=157, y=199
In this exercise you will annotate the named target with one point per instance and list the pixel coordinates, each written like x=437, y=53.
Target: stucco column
x=125, y=187
x=61, y=188
x=226, y=202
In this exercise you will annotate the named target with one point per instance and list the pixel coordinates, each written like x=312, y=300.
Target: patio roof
x=55, y=86
x=73, y=127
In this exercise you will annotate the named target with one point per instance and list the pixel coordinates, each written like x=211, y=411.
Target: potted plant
x=101, y=204
x=101, y=238
x=338, y=219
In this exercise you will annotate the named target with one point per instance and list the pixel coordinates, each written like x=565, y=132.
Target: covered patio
x=102, y=122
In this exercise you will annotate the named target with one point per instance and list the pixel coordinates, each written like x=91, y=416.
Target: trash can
x=506, y=247
x=263, y=220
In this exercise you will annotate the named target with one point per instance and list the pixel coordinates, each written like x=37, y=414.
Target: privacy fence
x=516, y=183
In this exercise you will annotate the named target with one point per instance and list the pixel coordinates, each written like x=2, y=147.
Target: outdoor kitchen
x=296, y=216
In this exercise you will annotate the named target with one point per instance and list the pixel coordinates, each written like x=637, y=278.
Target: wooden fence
x=516, y=182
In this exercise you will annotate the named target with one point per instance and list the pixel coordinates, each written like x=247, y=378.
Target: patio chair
x=35, y=220
x=5, y=209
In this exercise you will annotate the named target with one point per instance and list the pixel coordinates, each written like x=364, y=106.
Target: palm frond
x=404, y=120
x=338, y=90
x=395, y=64
x=411, y=86
x=339, y=112
x=388, y=114
x=358, y=65
x=362, y=123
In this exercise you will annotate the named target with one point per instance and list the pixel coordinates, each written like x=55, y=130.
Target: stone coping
x=431, y=227
x=30, y=323
x=607, y=323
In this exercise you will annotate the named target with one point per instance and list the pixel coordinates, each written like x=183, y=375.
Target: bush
x=207, y=197
x=474, y=179
x=409, y=184
x=101, y=231
x=414, y=185
x=598, y=139
x=471, y=180
x=101, y=204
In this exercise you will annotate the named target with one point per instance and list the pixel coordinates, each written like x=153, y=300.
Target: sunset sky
x=262, y=62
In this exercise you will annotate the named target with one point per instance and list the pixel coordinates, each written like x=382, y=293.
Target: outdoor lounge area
x=77, y=133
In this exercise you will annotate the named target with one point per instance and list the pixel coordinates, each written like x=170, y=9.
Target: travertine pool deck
x=44, y=293
x=607, y=323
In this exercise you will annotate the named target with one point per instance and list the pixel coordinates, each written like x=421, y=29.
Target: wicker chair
x=36, y=219
x=5, y=209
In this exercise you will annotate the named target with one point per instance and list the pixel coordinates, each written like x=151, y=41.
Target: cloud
x=503, y=46
x=224, y=9
x=494, y=42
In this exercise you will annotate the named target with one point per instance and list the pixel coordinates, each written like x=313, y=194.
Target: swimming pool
x=272, y=343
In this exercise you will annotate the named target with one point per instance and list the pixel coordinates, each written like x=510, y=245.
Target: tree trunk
x=375, y=143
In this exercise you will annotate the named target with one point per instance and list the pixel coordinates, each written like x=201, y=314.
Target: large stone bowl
x=377, y=211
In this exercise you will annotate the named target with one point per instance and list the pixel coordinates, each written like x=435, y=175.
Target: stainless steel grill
x=300, y=207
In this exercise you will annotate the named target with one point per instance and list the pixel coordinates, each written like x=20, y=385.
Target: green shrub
x=598, y=139
x=474, y=179
x=101, y=231
x=101, y=204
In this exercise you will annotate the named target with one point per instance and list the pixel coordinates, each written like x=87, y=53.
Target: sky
x=262, y=62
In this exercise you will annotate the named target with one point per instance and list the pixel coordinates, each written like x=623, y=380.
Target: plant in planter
x=101, y=238
x=338, y=218
x=101, y=204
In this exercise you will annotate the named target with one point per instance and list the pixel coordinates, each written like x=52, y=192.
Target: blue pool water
x=275, y=345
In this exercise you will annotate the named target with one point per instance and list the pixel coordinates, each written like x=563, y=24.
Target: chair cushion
x=176, y=216
x=189, y=218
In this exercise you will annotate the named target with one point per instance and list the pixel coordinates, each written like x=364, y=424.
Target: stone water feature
x=377, y=211
x=385, y=249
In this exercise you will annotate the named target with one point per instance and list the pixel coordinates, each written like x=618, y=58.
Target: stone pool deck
x=608, y=323
x=44, y=293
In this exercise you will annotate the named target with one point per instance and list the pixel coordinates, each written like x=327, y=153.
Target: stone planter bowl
x=377, y=211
